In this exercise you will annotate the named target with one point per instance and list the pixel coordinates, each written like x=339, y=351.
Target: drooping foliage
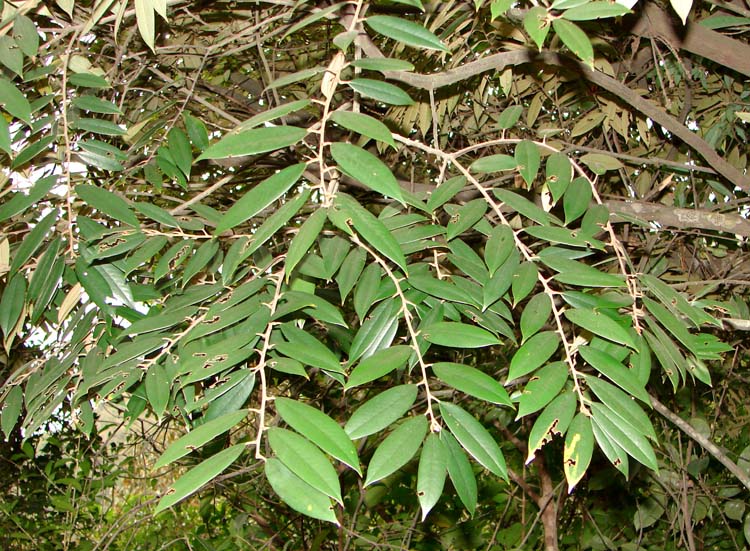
x=374, y=244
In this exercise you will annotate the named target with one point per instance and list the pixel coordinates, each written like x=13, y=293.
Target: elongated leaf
x=622, y=405
x=498, y=247
x=96, y=105
x=465, y=217
x=199, y=436
x=253, y=142
x=107, y=203
x=11, y=304
x=460, y=471
x=624, y=435
x=11, y=410
x=528, y=159
x=555, y=419
x=474, y=438
x=383, y=64
x=405, y=31
x=14, y=102
x=494, y=163
x=537, y=350
x=536, y=23
x=260, y=197
x=158, y=388
x=372, y=229
x=598, y=9
x=308, y=232
x=535, y=314
x=380, y=411
x=366, y=168
x=445, y=192
x=615, y=371
x=543, y=386
x=575, y=39
x=320, y=429
x=379, y=364
x=297, y=493
x=195, y=478
x=472, y=381
x=579, y=448
x=459, y=335
x=19, y=202
x=523, y=206
x=365, y=125
x=558, y=172
x=380, y=91
x=433, y=465
x=600, y=324
x=397, y=449
x=303, y=347
x=304, y=459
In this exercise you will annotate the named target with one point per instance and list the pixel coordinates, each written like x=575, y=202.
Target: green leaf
x=308, y=232
x=535, y=315
x=460, y=472
x=253, y=142
x=19, y=201
x=311, y=18
x=350, y=271
x=297, y=493
x=615, y=371
x=317, y=427
x=579, y=448
x=575, y=39
x=11, y=55
x=89, y=80
x=11, y=410
x=577, y=198
x=406, y=32
x=14, y=102
x=583, y=275
x=380, y=411
x=528, y=160
x=494, y=163
x=459, y=335
x=600, y=324
x=535, y=351
x=523, y=206
x=305, y=460
x=610, y=449
x=599, y=163
x=366, y=168
x=179, y=147
x=380, y=91
x=445, y=192
x=397, y=449
x=99, y=126
x=372, y=229
x=536, y=22
x=107, y=203
x=474, y=438
x=366, y=126
x=379, y=364
x=624, y=435
x=383, y=64
x=465, y=217
x=195, y=478
x=158, y=388
x=622, y=405
x=543, y=386
x=378, y=331
x=433, y=465
x=196, y=130
x=599, y=9
x=5, y=144
x=199, y=260
x=499, y=246
x=273, y=114
x=303, y=347
x=524, y=280
x=26, y=35
x=96, y=105
x=260, y=197
x=11, y=304
x=559, y=173
x=472, y=381
x=555, y=419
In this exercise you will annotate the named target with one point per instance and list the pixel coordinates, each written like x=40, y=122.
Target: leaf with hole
x=578, y=450
x=555, y=419
x=624, y=435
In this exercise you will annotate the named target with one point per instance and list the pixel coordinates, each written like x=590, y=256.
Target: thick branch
x=707, y=445
x=689, y=219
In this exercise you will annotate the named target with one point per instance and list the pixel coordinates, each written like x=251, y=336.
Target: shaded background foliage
x=126, y=237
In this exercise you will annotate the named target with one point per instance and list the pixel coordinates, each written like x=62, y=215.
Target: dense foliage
x=374, y=274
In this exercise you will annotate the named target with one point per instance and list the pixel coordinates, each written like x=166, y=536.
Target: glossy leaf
x=397, y=449
x=405, y=31
x=460, y=471
x=297, y=493
x=317, y=427
x=195, y=478
x=535, y=351
x=528, y=159
x=459, y=335
x=622, y=405
x=305, y=460
x=494, y=163
x=614, y=371
x=472, y=381
x=380, y=411
x=108, y=203
x=474, y=438
x=158, y=387
x=308, y=233
x=625, y=436
x=543, y=386
x=536, y=22
x=433, y=465
x=380, y=91
x=383, y=64
x=304, y=347
x=366, y=168
x=559, y=173
x=600, y=324
x=535, y=315
x=499, y=246
x=575, y=39
x=378, y=365
x=577, y=199
x=366, y=126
